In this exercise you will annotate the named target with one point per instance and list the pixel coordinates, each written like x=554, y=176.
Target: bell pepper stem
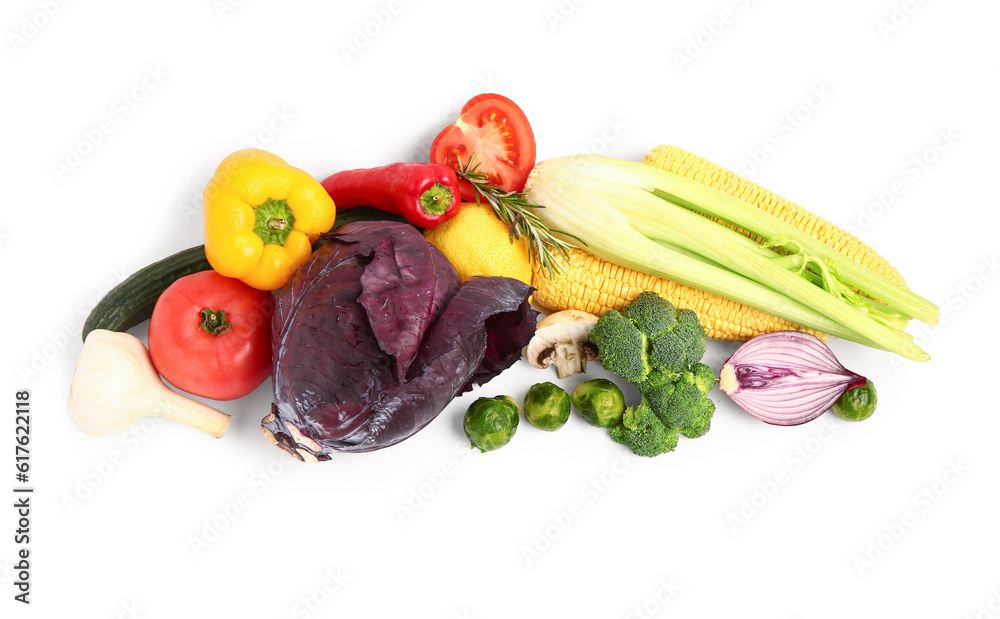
x=273, y=222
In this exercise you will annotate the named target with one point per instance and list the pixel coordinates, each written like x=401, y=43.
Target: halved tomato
x=497, y=131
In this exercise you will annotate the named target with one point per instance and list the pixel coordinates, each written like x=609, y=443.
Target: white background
x=828, y=519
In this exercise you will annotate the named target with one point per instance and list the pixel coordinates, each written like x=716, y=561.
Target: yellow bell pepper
x=261, y=217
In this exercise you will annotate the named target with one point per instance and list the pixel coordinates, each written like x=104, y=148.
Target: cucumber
x=131, y=302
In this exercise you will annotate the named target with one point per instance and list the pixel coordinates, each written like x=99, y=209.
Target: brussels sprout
x=490, y=423
x=546, y=406
x=600, y=401
x=857, y=404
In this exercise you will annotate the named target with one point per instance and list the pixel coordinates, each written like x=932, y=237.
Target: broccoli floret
x=677, y=403
x=687, y=322
x=683, y=403
x=643, y=432
x=701, y=422
x=649, y=333
x=675, y=350
x=655, y=380
x=688, y=319
x=704, y=377
x=651, y=313
x=622, y=346
x=659, y=349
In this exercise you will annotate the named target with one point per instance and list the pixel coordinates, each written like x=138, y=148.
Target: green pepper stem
x=273, y=221
x=214, y=322
x=436, y=200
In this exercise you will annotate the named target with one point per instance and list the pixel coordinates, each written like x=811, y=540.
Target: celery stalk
x=621, y=211
x=709, y=201
x=659, y=219
x=801, y=267
x=575, y=212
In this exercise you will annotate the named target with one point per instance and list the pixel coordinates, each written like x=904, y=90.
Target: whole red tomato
x=497, y=131
x=211, y=336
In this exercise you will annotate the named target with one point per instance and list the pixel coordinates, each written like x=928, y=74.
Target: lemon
x=476, y=242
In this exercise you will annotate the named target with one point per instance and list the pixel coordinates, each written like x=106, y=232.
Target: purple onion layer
x=786, y=378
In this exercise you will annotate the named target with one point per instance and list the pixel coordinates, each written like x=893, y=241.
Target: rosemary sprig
x=513, y=208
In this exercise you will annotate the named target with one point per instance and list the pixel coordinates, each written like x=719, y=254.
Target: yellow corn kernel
x=597, y=286
x=594, y=285
x=692, y=166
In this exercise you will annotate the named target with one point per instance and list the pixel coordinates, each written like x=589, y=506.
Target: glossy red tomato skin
x=497, y=131
x=221, y=367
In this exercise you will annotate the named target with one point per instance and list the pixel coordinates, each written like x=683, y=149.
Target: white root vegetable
x=115, y=384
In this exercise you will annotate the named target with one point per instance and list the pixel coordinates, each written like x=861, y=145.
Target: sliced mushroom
x=563, y=339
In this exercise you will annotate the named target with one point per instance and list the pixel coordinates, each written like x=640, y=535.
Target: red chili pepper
x=426, y=194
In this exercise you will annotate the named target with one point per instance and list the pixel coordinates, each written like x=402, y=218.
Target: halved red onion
x=786, y=378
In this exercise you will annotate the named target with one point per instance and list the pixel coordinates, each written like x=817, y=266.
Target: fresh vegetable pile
x=377, y=296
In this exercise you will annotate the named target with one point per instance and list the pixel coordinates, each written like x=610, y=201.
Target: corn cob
x=593, y=285
x=597, y=286
x=692, y=166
